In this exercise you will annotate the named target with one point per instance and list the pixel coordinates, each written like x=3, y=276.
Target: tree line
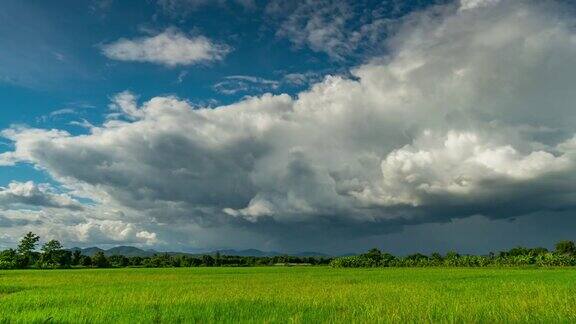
x=564, y=255
x=52, y=255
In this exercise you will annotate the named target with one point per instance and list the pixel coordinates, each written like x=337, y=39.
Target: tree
x=452, y=255
x=85, y=261
x=50, y=250
x=136, y=261
x=26, y=255
x=566, y=247
x=217, y=260
x=8, y=259
x=118, y=261
x=53, y=255
x=373, y=254
x=76, y=257
x=207, y=260
x=99, y=260
x=436, y=257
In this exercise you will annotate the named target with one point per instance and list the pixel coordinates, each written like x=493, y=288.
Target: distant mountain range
x=131, y=251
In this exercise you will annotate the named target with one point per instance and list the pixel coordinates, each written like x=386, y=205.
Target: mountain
x=131, y=251
x=258, y=253
x=89, y=251
x=311, y=254
x=248, y=252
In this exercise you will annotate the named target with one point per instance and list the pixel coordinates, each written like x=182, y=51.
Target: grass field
x=289, y=294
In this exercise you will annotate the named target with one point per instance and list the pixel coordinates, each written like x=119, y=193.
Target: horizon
x=324, y=126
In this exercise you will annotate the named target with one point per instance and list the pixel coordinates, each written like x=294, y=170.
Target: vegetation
x=288, y=294
x=221, y=289
x=52, y=255
x=563, y=256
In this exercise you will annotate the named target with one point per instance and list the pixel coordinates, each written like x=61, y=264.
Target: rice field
x=288, y=294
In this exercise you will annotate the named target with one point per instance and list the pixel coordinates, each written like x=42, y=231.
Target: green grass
x=284, y=294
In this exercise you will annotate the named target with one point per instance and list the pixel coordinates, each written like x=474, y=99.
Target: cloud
x=470, y=113
x=33, y=195
x=124, y=104
x=88, y=227
x=110, y=232
x=342, y=29
x=302, y=79
x=251, y=85
x=322, y=27
x=471, y=4
x=63, y=111
x=245, y=84
x=170, y=48
x=181, y=76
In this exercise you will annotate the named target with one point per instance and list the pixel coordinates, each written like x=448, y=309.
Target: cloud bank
x=470, y=113
x=170, y=48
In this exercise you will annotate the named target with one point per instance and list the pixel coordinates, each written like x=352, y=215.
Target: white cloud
x=29, y=194
x=252, y=85
x=181, y=76
x=302, y=79
x=245, y=84
x=125, y=104
x=342, y=29
x=63, y=111
x=470, y=113
x=462, y=164
x=321, y=26
x=110, y=231
x=471, y=4
x=87, y=227
x=170, y=48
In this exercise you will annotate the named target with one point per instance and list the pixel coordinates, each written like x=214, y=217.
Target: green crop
x=288, y=294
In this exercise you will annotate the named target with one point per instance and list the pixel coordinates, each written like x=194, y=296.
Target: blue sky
x=304, y=125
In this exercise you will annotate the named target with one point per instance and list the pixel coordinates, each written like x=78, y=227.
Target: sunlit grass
x=284, y=294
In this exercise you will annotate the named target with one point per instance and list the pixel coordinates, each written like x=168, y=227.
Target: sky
x=307, y=125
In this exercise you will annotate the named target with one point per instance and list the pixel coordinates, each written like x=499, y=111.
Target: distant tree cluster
x=53, y=256
x=563, y=255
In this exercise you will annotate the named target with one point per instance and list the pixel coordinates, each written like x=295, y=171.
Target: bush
x=4, y=265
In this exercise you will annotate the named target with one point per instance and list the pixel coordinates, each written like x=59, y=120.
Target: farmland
x=289, y=294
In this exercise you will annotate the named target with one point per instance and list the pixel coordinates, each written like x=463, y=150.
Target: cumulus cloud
x=35, y=195
x=470, y=113
x=88, y=227
x=170, y=48
x=110, y=231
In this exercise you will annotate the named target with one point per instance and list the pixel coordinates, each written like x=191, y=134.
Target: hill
x=131, y=251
